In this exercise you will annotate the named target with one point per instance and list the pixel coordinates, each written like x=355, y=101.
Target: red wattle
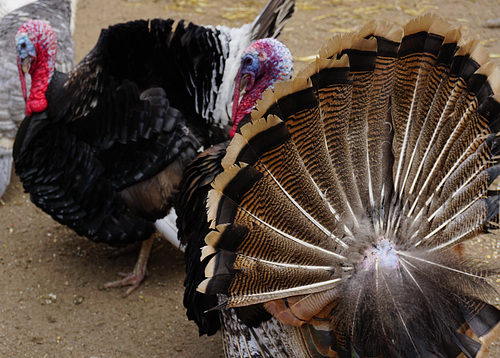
x=36, y=105
x=232, y=132
x=246, y=104
x=40, y=76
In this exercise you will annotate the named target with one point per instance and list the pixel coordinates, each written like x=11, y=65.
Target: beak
x=244, y=82
x=26, y=64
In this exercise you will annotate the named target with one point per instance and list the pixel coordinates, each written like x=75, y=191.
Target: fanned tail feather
x=341, y=204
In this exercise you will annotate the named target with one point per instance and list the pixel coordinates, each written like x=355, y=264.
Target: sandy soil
x=50, y=302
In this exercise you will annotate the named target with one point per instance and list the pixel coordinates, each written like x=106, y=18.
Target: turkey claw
x=129, y=279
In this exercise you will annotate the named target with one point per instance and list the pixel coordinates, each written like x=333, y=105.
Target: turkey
x=263, y=63
x=61, y=15
x=338, y=224
x=102, y=149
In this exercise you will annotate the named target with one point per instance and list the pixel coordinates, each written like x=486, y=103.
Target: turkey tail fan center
x=345, y=205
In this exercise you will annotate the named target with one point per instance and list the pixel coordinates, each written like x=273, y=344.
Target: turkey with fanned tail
x=263, y=63
x=103, y=148
x=336, y=222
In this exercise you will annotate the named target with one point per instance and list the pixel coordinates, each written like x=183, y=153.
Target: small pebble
x=78, y=300
x=493, y=23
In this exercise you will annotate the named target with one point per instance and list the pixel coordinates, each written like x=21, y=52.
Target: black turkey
x=336, y=223
x=60, y=14
x=102, y=149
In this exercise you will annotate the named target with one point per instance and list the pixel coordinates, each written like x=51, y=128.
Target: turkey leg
x=134, y=278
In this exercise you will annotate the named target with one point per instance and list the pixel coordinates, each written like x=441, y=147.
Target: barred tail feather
x=341, y=204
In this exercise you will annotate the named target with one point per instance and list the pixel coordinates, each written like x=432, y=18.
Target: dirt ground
x=50, y=302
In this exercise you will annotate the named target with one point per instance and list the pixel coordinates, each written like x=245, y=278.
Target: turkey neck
x=248, y=101
x=40, y=79
x=271, y=75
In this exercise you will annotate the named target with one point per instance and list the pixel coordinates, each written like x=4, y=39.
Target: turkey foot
x=134, y=278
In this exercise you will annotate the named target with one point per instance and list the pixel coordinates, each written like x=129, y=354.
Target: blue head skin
x=25, y=50
x=262, y=64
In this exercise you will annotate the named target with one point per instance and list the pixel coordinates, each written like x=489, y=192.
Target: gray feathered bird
x=7, y=6
x=336, y=222
x=60, y=14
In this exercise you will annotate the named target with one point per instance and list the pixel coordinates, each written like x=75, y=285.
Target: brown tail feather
x=341, y=204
